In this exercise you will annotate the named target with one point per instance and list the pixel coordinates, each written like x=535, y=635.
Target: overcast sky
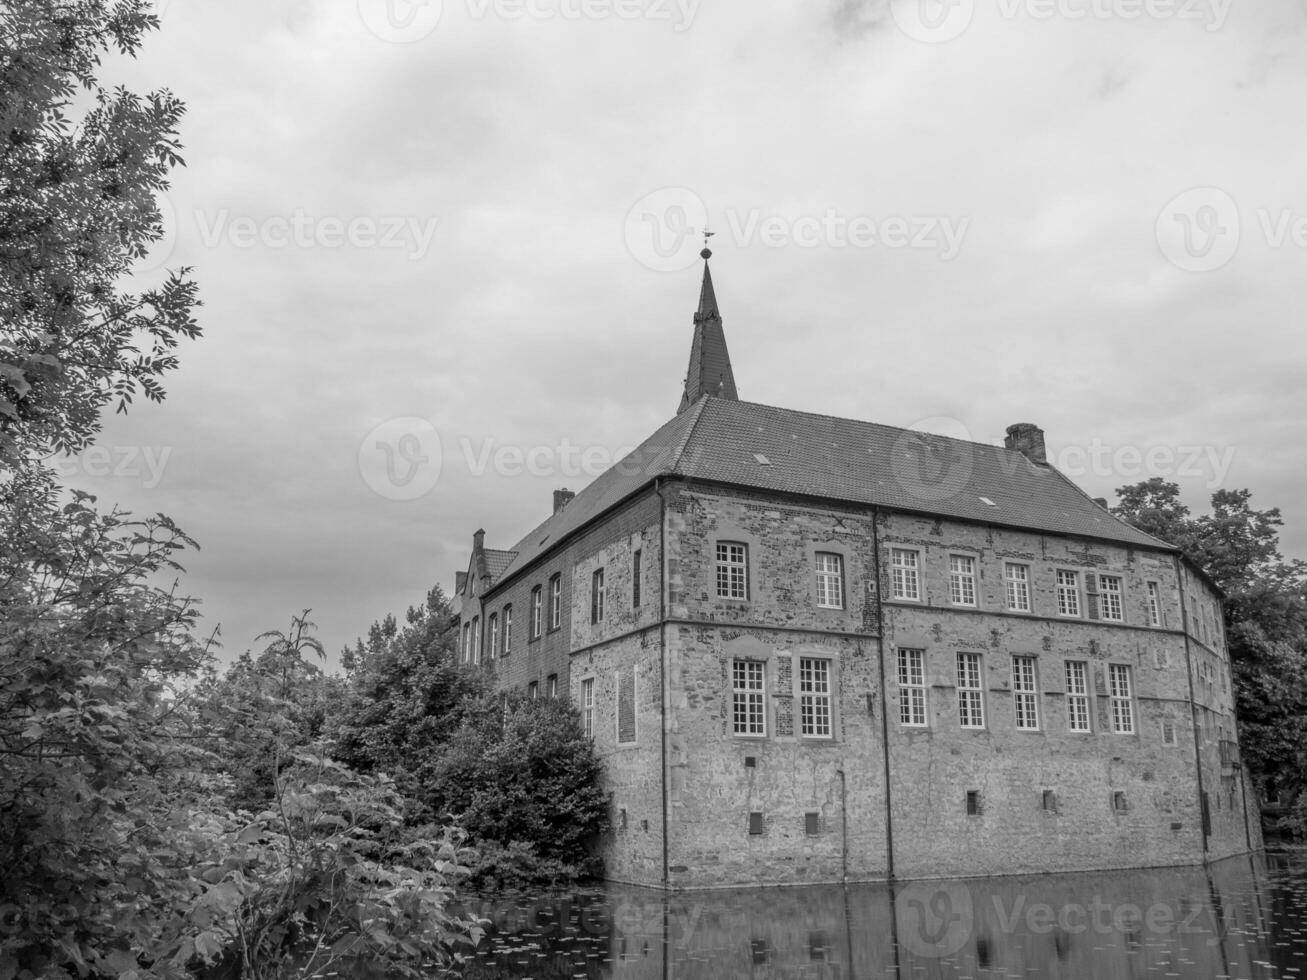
x=460, y=239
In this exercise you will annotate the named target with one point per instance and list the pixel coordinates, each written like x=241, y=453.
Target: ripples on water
x=1244, y=919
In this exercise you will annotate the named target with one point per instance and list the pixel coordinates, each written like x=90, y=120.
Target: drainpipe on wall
x=884, y=696
x=844, y=827
x=1204, y=813
x=662, y=664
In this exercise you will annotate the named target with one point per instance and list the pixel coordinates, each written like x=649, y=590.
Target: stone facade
x=806, y=665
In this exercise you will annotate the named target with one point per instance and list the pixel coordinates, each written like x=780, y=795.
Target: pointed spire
x=710, y=362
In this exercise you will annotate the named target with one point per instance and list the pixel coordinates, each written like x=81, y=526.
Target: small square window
x=812, y=824
x=755, y=822
x=1119, y=802
x=973, y=802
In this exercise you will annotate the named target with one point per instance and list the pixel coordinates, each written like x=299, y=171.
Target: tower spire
x=710, y=362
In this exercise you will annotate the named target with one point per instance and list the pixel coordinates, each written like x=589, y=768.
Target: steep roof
x=497, y=561
x=710, y=371
x=778, y=449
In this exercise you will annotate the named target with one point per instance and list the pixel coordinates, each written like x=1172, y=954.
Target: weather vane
x=707, y=252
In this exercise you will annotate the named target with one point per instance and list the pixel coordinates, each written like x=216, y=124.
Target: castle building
x=815, y=649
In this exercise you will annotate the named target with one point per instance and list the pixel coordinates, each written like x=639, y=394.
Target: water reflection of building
x=814, y=649
x=1191, y=923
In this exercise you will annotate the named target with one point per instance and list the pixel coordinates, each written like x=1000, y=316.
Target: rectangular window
x=973, y=802
x=535, y=613
x=732, y=570
x=747, y=698
x=626, y=705
x=1109, y=587
x=597, y=596
x=508, y=629
x=830, y=580
x=1025, y=694
x=962, y=580
x=1077, y=696
x=494, y=636
x=553, y=685
x=904, y=572
x=476, y=639
x=912, y=688
x=971, y=698
x=814, y=697
x=635, y=577
x=1068, y=593
x=1016, y=581
x=533, y=690
x=1154, y=604
x=555, y=602
x=467, y=642
x=812, y=824
x=755, y=828
x=1118, y=689
x=588, y=706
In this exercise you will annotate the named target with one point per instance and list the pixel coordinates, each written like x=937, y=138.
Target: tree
x=406, y=694
x=1266, y=617
x=77, y=207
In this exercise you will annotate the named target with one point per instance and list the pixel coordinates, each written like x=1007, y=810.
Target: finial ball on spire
x=706, y=254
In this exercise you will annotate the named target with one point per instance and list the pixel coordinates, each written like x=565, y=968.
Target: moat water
x=1243, y=919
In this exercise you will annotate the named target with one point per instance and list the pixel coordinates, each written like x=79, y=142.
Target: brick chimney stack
x=1027, y=439
x=562, y=498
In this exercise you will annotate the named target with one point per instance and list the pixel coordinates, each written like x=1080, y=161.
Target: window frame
x=1010, y=583
x=492, y=635
x=552, y=688
x=597, y=595
x=1121, y=707
x=1025, y=691
x=537, y=611
x=588, y=707
x=508, y=628
x=637, y=562
x=747, y=701
x=912, y=692
x=828, y=580
x=725, y=569
x=1073, y=591
x=476, y=641
x=959, y=580
x=1082, y=697
x=1111, y=599
x=914, y=567
x=555, y=601
x=974, y=699
x=818, y=703
x=1154, y=603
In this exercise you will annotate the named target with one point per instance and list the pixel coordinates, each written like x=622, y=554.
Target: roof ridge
x=877, y=425
x=1084, y=493
x=698, y=409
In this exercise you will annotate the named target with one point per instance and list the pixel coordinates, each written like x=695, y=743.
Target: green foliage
x=1266, y=619
x=520, y=771
x=77, y=207
x=406, y=696
x=518, y=775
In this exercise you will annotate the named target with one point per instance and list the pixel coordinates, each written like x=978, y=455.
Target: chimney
x=562, y=498
x=478, y=541
x=1101, y=501
x=1027, y=439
